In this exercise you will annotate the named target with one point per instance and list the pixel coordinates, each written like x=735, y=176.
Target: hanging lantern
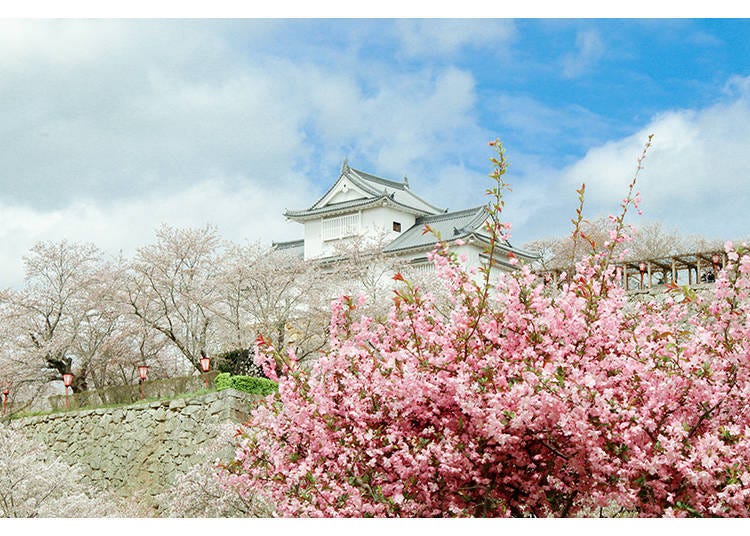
x=642, y=269
x=67, y=381
x=143, y=372
x=205, y=366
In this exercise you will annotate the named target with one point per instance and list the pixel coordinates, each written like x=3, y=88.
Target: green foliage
x=247, y=384
x=223, y=381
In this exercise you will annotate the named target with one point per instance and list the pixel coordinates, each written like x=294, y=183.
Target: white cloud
x=590, y=49
x=54, y=42
x=157, y=105
x=695, y=176
x=112, y=127
x=251, y=213
x=440, y=37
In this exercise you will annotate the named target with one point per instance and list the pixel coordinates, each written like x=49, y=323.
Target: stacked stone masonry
x=138, y=448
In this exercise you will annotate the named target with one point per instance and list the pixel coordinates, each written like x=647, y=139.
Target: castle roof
x=292, y=247
x=364, y=190
x=467, y=225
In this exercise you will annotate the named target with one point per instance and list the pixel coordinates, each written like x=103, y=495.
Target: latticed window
x=422, y=268
x=420, y=265
x=340, y=227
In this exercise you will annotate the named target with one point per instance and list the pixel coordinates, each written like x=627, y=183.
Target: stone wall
x=138, y=448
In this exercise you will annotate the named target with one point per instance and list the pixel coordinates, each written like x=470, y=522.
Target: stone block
x=191, y=411
x=217, y=407
x=178, y=403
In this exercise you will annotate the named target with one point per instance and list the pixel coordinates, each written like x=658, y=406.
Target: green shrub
x=223, y=381
x=246, y=384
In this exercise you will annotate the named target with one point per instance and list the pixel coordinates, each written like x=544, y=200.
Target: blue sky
x=112, y=127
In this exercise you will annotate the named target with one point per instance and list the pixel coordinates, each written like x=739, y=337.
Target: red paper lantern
x=205, y=363
x=143, y=372
x=67, y=381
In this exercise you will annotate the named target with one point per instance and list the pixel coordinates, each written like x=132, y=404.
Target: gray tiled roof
x=451, y=225
x=346, y=206
x=377, y=189
x=369, y=177
x=399, y=191
x=461, y=224
x=293, y=247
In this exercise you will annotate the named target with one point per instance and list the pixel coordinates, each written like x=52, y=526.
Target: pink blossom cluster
x=523, y=402
x=516, y=400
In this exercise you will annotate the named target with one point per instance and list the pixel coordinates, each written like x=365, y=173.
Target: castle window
x=419, y=265
x=397, y=226
x=340, y=227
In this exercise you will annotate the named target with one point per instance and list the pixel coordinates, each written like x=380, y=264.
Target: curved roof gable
x=356, y=189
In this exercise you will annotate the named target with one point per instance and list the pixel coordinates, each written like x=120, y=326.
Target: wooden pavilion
x=643, y=274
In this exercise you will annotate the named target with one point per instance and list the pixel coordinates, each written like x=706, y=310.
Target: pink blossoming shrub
x=523, y=400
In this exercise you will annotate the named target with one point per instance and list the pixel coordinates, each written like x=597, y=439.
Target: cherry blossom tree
x=362, y=267
x=648, y=241
x=171, y=288
x=263, y=290
x=47, y=312
x=100, y=316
